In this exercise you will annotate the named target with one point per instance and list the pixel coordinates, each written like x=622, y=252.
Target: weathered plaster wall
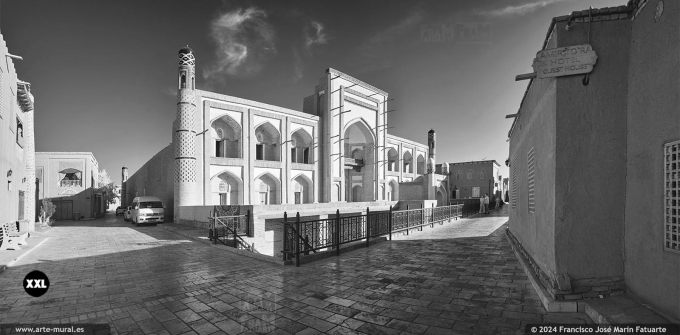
x=412, y=191
x=465, y=176
x=12, y=156
x=535, y=128
x=590, y=161
x=652, y=273
x=155, y=178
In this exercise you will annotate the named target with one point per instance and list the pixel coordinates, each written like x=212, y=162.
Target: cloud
x=314, y=34
x=244, y=40
x=519, y=9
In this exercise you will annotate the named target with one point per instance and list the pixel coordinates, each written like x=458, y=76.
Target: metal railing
x=303, y=236
x=70, y=183
x=229, y=229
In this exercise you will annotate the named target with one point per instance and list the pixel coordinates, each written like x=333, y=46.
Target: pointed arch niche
x=267, y=190
x=359, y=149
x=226, y=189
x=301, y=189
x=226, y=134
x=268, y=143
x=301, y=147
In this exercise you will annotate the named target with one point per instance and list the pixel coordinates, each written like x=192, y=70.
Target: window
x=20, y=133
x=531, y=171
x=21, y=205
x=219, y=143
x=151, y=204
x=672, y=196
x=475, y=192
x=263, y=198
x=298, y=197
x=293, y=155
x=219, y=148
x=183, y=81
x=515, y=184
x=259, y=152
x=305, y=156
x=223, y=199
x=71, y=178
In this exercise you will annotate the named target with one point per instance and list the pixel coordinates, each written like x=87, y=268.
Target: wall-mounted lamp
x=9, y=181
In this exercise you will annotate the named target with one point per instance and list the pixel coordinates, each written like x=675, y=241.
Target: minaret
x=123, y=187
x=431, y=180
x=184, y=138
x=26, y=103
x=431, y=139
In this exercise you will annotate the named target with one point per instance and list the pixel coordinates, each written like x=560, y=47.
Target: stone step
x=621, y=309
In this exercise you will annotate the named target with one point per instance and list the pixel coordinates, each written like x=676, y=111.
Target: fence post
x=449, y=212
x=368, y=225
x=408, y=220
x=389, y=223
x=298, y=236
x=337, y=232
x=432, y=220
x=233, y=225
x=248, y=223
x=285, y=235
x=422, y=217
x=210, y=227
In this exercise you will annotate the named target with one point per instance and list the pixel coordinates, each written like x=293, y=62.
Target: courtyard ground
x=458, y=278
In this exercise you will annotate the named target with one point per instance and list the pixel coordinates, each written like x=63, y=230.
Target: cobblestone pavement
x=151, y=280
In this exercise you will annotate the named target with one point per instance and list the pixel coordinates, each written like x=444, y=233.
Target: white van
x=147, y=210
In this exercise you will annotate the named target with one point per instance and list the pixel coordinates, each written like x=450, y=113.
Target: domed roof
x=186, y=50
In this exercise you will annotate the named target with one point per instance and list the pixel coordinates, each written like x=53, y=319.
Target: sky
x=104, y=73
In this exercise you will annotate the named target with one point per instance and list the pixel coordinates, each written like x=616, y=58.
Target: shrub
x=47, y=209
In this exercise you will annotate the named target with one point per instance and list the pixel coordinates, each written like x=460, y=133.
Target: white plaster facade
x=252, y=153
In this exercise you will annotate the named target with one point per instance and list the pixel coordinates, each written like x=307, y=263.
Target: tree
x=104, y=178
x=108, y=191
x=106, y=187
x=47, y=209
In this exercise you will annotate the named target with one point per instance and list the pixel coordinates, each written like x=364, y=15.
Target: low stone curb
x=35, y=240
x=548, y=302
x=245, y=253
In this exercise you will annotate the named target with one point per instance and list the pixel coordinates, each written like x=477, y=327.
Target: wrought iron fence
x=229, y=229
x=304, y=236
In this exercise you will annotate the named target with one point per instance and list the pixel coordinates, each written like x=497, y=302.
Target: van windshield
x=151, y=204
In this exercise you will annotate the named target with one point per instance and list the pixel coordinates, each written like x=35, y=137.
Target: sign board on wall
x=564, y=61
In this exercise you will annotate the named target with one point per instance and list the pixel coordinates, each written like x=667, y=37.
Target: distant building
x=594, y=160
x=70, y=181
x=17, y=159
x=474, y=179
x=232, y=151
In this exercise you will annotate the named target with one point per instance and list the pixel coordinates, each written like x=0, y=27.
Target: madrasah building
x=232, y=151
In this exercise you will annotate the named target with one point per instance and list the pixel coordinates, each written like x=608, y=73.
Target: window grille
x=531, y=171
x=514, y=199
x=672, y=196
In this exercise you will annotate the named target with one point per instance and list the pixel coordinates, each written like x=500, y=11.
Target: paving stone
x=188, y=315
x=140, y=279
x=230, y=327
x=288, y=325
x=316, y=323
x=176, y=326
x=373, y=329
x=343, y=331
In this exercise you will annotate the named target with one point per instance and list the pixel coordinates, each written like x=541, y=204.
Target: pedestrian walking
x=481, y=205
x=486, y=203
x=498, y=201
